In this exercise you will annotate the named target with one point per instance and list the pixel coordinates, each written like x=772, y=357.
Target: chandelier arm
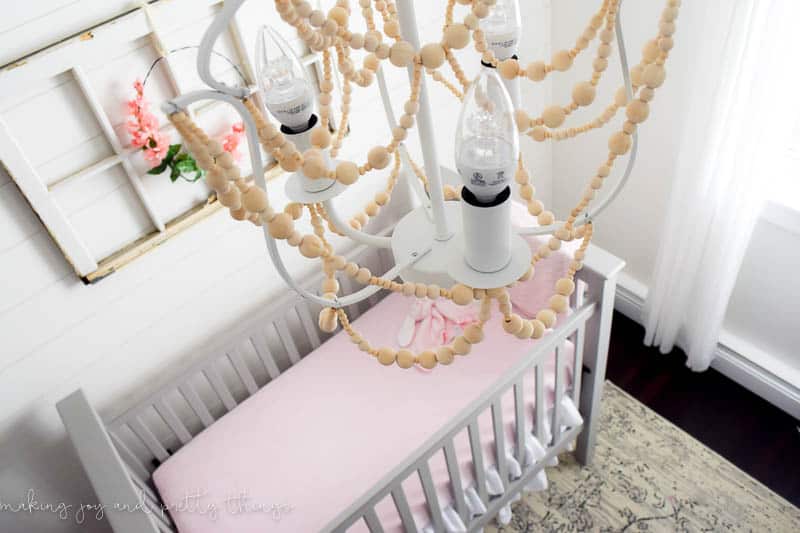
x=357, y=235
x=217, y=27
x=626, y=76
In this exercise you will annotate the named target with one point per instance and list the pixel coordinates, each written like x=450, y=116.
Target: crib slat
x=287, y=340
x=242, y=371
x=265, y=354
x=308, y=324
x=197, y=405
x=373, y=523
x=141, y=484
x=477, y=459
x=133, y=463
x=172, y=420
x=559, y=393
x=431, y=498
x=455, y=480
x=499, y=440
x=519, y=414
x=541, y=406
x=401, y=504
x=148, y=439
x=219, y=387
x=577, y=368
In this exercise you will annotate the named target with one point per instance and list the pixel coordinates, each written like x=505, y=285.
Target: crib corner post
x=600, y=274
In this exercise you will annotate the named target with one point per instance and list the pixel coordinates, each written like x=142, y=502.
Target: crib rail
x=443, y=442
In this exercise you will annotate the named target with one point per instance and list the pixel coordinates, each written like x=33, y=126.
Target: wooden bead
x=565, y=286
x=281, y=227
x=330, y=285
x=562, y=60
x=535, y=207
x=461, y=345
x=217, y=180
x=538, y=329
x=421, y=290
x=392, y=29
x=405, y=359
x=558, y=303
x=339, y=15
x=433, y=291
x=328, y=320
x=473, y=333
x=450, y=192
x=445, y=355
x=255, y=200
x=291, y=164
x=409, y=288
x=231, y=198
x=432, y=55
x=536, y=71
x=526, y=331
x=526, y=191
x=311, y=246
x=456, y=36
x=621, y=97
x=553, y=116
x=637, y=111
x=427, y=359
x=294, y=209
x=538, y=133
x=547, y=317
x=239, y=214
x=363, y=276
x=583, y=93
x=401, y=54
x=512, y=324
x=378, y=157
x=522, y=119
x=386, y=356
x=346, y=172
x=313, y=165
x=654, y=75
x=371, y=209
x=461, y=294
x=320, y=137
x=351, y=269
x=619, y=143
x=554, y=243
x=650, y=51
x=381, y=198
x=508, y=68
x=545, y=218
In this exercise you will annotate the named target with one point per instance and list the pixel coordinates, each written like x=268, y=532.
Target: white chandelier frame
x=433, y=205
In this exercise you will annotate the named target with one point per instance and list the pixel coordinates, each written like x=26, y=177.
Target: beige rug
x=648, y=475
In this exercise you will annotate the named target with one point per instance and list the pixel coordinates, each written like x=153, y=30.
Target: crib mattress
x=302, y=449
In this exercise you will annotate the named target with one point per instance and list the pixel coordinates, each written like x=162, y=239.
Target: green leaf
x=175, y=174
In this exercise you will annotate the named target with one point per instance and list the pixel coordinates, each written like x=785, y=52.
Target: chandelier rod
x=408, y=28
x=591, y=215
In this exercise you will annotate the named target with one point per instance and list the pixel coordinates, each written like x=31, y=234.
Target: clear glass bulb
x=487, y=140
x=280, y=75
x=502, y=27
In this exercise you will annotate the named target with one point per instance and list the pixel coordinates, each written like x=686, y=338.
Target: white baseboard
x=735, y=364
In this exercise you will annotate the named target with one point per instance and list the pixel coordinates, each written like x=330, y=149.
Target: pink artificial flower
x=143, y=128
x=232, y=140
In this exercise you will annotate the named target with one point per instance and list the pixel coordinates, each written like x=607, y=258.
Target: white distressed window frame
x=150, y=20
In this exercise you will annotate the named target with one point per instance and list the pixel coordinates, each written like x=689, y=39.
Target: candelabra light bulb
x=286, y=90
x=502, y=28
x=487, y=140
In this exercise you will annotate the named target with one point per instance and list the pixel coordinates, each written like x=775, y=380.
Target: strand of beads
x=583, y=93
x=347, y=89
x=380, y=199
x=438, y=77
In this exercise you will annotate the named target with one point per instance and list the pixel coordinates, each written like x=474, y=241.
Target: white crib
x=120, y=469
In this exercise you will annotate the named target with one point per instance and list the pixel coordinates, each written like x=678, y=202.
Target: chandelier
x=459, y=244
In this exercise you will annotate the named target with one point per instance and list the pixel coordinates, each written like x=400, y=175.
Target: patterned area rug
x=648, y=475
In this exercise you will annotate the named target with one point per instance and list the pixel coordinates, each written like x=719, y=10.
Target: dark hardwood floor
x=748, y=431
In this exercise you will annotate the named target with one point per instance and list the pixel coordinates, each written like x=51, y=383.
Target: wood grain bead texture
x=331, y=32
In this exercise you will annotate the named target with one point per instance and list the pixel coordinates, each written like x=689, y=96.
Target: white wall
x=763, y=312
x=121, y=337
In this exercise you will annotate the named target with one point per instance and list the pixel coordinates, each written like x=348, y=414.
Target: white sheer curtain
x=744, y=98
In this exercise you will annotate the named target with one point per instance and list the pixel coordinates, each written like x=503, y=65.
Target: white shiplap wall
x=117, y=339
